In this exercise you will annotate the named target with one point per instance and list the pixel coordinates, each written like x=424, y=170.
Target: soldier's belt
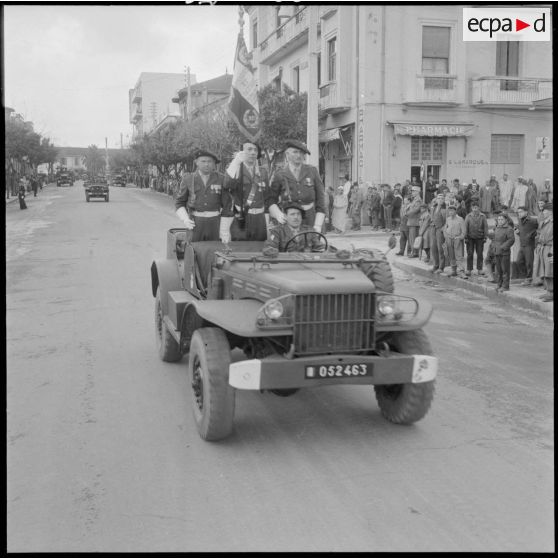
x=307, y=206
x=256, y=210
x=207, y=213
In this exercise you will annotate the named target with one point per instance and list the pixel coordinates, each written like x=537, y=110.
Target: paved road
x=103, y=454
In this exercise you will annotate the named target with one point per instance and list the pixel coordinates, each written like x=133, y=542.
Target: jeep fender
x=164, y=274
x=236, y=316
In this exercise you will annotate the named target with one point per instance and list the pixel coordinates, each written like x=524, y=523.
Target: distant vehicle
x=97, y=188
x=119, y=180
x=64, y=179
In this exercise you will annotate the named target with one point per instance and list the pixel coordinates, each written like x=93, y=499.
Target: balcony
x=439, y=91
x=136, y=115
x=509, y=92
x=285, y=39
x=333, y=99
x=136, y=97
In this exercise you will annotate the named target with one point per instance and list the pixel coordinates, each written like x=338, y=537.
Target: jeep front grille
x=334, y=323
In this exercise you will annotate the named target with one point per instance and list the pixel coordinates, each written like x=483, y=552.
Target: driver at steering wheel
x=279, y=236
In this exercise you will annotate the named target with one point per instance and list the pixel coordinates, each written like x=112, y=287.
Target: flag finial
x=241, y=18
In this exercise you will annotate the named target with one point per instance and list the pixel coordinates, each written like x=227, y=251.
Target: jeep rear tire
x=406, y=403
x=212, y=397
x=379, y=272
x=168, y=348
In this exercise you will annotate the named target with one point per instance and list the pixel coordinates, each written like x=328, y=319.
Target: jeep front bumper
x=276, y=372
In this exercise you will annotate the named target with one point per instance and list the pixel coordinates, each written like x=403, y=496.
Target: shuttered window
x=506, y=149
x=435, y=49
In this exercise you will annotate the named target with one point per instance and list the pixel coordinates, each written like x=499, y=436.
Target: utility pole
x=312, y=109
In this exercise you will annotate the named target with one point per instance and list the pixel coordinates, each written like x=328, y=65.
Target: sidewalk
x=522, y=297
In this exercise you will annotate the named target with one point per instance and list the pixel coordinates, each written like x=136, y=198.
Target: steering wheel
x=321, y=248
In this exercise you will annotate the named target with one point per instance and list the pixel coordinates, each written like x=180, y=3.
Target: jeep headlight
x=273, y=309
x=276, y=312
x=395, y=308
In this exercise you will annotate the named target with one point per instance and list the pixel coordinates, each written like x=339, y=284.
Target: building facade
x=152, y=98
x=398, y=88
x=203, y=96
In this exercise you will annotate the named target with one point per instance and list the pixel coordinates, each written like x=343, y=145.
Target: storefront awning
x=329, y=135
x=451, y=129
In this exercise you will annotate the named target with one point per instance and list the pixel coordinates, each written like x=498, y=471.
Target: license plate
x=338, y=371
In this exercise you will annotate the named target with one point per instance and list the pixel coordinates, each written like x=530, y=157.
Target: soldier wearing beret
x=248, y=184
x=299, y=183
x=201, y=198
x=280, y=235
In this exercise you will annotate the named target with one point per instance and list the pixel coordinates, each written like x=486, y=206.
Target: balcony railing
x=436, y=90
x=333, y=99
x=509, y=91
x=136, y=98
x=288, y=36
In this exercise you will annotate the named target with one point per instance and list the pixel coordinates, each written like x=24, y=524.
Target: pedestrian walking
x=21, y=197
x=454, y=234
x=476, y=233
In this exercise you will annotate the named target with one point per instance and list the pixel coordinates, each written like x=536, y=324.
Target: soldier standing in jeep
x=248, y=184
x=299, y=183
x=202, y=197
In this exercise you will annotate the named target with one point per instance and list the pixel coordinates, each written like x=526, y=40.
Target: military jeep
x=301, y=319
x=97, y=188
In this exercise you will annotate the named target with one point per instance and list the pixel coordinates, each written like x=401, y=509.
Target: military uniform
x=248, y=194
x=204, y=203
x=280, y=235
x=307, y=190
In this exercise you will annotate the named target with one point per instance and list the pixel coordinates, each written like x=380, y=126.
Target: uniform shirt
x=280, y=235
x=308, y=188
x=194, y=195
x=413, y=212
x=240, y=189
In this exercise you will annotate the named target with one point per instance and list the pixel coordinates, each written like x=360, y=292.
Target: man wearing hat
x=543, y=266
x=280, y=235
x=413, y=214
x=299, y=183
x=454, y=233
x=248, y=184
x=201, y=198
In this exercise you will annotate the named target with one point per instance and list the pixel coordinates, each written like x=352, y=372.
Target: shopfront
x=336, y=154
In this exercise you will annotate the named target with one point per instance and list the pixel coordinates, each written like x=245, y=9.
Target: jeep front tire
x=406, y=403
x=212, y=397
x=378, y=272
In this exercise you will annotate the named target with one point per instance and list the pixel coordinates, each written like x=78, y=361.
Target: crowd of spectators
x=462, y=229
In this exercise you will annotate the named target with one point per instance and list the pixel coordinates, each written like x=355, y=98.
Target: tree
x=94, y=160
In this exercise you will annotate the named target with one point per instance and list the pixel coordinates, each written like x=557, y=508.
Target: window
x=277, y=81
x=319, y=63
x=435, y=50
x=506, y=154
x=255, y=34
x=331, y=58
x=296, y=79
x=507, y=63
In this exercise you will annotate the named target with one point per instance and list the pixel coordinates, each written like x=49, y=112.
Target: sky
x=68, y=68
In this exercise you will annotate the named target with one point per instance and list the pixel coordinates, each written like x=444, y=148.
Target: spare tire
x=378, y=272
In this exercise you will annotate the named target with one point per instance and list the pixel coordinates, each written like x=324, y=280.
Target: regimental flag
x=243, y=101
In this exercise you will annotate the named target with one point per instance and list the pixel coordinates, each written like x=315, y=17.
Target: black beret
x=297, y=145
x=293, y=205
x=205, y=153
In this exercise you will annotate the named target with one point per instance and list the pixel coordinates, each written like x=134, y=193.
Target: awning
x=451, y=129
x=329, y=135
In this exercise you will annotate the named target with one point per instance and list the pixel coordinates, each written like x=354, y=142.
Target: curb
x=508, y=298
